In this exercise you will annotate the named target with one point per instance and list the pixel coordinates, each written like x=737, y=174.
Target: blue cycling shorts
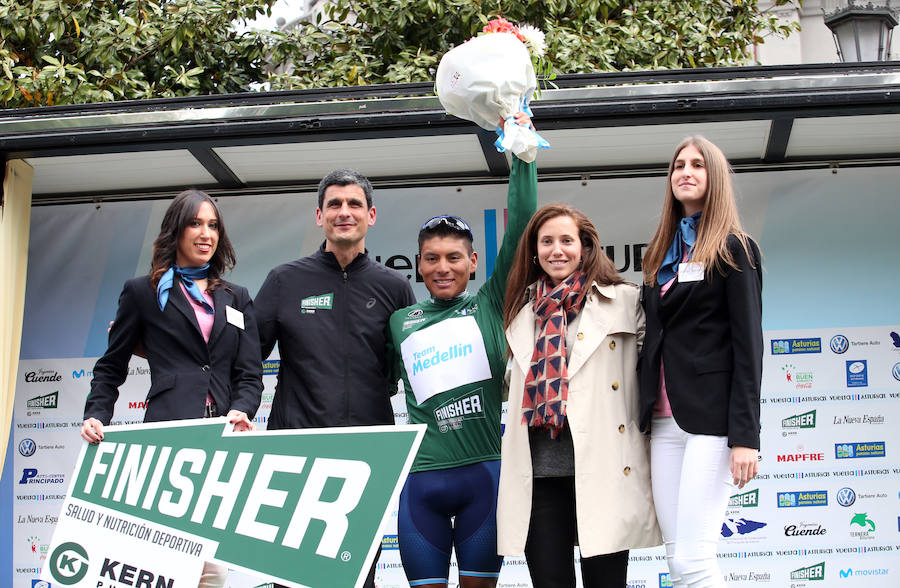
x=445, y=509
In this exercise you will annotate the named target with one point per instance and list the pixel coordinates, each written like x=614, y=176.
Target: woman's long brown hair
x=719, y=219
x=595, y=264
x=180, y=213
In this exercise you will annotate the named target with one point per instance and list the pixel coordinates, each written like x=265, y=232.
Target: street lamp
x=861, y=32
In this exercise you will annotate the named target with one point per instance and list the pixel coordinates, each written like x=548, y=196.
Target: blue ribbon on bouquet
x=542, y=142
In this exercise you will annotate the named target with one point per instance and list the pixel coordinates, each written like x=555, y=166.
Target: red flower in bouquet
x=501, y=25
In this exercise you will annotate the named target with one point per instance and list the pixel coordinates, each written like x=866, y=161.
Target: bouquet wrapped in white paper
x=488, y=78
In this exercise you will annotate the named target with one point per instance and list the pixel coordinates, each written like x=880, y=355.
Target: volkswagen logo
x=896, y=371
x=27, y=447
x=839, y=344
x=846, y=496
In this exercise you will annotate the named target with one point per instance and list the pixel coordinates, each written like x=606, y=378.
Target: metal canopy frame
x=778, y=96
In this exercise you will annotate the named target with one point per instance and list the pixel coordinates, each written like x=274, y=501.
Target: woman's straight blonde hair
x=719, y=219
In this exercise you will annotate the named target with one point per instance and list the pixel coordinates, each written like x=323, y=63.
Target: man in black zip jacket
x=328, y=312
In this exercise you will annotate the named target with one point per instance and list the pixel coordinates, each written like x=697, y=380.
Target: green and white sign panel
x=152, y=502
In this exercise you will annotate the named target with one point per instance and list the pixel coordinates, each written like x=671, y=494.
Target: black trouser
x=552, y=535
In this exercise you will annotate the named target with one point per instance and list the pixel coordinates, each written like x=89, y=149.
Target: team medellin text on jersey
x=451, y=353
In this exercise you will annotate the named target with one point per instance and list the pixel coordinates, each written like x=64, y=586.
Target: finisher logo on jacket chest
x=319, y=302
x=444, y=356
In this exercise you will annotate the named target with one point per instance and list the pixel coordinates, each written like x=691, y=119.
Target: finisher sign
x=152, y=502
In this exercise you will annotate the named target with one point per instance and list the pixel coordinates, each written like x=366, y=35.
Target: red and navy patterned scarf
x=547, y=382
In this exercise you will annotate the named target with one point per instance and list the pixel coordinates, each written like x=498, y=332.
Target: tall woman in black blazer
x=702, y=359
x=196, y=330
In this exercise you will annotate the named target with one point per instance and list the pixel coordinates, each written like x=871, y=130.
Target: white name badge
x=445, y=356
x=690, y=271
x=234, y=316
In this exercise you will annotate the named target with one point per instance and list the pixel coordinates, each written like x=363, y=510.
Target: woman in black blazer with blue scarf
x=701, y=362
x=196, y=330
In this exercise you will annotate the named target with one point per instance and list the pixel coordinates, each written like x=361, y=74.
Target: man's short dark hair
x=345, y=177
x=446, y=226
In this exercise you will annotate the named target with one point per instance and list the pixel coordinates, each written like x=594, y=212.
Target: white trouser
x=691, y=479
x=213, y=576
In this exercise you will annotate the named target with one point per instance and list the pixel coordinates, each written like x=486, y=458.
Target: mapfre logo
x=69, y=563
x=796, y=457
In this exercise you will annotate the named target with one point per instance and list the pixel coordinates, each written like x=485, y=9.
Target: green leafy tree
x=74, y=51
x=366, y=42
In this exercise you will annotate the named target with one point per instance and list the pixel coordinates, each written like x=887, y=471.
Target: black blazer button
x=205, y=368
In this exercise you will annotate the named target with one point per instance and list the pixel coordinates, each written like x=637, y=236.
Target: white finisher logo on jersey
x=445, y=356
x=450, y=415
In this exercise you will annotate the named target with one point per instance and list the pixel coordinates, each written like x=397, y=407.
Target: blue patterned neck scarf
x=187, y=275
x=687, y=232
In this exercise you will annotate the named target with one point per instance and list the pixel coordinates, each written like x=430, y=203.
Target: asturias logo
x=802, y=498
x=789, y=346
x=859, y=450
x=271, y=367
x=839, y=344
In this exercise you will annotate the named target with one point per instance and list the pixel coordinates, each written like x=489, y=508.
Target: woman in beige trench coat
x=575, y=467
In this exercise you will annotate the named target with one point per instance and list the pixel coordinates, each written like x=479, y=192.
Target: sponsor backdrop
x=825, y=510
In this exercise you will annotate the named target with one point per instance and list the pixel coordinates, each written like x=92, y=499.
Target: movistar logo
x=318, y=302
x=46, y=401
